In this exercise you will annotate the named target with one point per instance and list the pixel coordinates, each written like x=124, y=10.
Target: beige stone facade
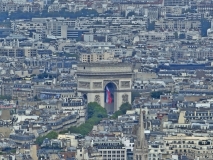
x=94, y=57
x=194, y=147
x=93, y=78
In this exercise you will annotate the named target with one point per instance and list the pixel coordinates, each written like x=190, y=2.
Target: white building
x=111, y=149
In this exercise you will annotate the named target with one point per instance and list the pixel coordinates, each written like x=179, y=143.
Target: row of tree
x=50, y=135
x=95, y=114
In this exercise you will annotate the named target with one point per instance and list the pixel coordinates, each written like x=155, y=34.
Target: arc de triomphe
x=94, y=77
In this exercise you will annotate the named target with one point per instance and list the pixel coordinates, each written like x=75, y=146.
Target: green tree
x=123, y=108
x=50, y=135
x=135, y=94
x=95, y=110
x=116, y=114
x=156, y=94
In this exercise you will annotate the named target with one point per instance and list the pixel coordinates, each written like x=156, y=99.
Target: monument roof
x=105, y=64
x=104, y=68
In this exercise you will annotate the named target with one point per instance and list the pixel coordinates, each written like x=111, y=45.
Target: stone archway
x=110, y=96
x=94, y=77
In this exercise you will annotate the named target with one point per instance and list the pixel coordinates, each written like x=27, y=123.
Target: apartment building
x=55, y=7
x=111, y=150
x=94, y=57
x=176, y=2
x=72, y=138
x=152, y=13
x=18, y=52
x=177, y=25
x=194, y=147
x=157, y=151
x=74, y=104
x=88, y=154
x=22, y=91
x=155, y=36
x=22, y=25
x=56, y=93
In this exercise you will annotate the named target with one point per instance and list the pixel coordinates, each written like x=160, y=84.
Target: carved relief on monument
x=124, y=98
x=116, y=82
x=125, y=84
x=97, y=99
x=84, y=84
x=97, y=84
